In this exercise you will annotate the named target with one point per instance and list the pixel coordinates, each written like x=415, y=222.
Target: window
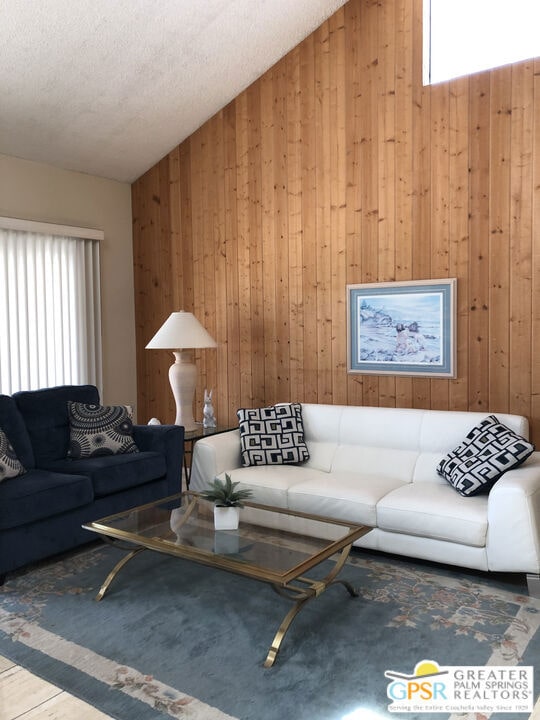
x=467, y=36
x=50, y=321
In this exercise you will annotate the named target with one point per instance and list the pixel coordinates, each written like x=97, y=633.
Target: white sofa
x=377, y=466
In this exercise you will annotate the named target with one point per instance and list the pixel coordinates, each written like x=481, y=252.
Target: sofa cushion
x=271, y=483
x=12, y=423
x=347, y=496
x=97, y=430
x=41, y=494
x=110, y=474
x=45, y=413
x=486, y=453
x=375, y=461
x=272, y=435
x=10, y=465
x=434, y=511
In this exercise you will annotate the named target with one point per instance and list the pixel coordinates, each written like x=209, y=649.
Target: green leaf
x=225, y=493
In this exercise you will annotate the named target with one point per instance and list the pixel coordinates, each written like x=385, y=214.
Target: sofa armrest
x=514, y=519
x=213, y=456
x=169, y=441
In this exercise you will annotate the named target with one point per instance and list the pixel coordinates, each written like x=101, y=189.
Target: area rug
x=172, y=639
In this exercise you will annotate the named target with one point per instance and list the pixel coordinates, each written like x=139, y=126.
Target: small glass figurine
x=209, y=418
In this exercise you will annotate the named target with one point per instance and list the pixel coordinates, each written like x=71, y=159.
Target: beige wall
x=34, y=191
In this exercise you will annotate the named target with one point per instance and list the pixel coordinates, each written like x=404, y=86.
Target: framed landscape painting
x=402, y=328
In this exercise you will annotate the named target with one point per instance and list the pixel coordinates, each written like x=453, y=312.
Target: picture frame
x=402, y=328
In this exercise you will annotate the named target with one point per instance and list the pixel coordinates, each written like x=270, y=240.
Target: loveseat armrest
x=167, y=440
x=212, y=456
x=513, y=542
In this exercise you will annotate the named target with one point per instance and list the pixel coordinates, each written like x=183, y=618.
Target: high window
x=467, y=36
x=50, y=318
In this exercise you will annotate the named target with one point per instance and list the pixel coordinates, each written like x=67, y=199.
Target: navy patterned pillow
x=100, y=430
x=488, y=451
x=272, y=435
x=10, y=465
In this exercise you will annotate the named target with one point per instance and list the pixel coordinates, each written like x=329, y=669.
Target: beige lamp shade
x=180, y=331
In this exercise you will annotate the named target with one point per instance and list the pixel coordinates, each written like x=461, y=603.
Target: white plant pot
x=226, y=518
x=226, y=542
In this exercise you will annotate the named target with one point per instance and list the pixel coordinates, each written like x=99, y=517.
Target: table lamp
x=181, y=333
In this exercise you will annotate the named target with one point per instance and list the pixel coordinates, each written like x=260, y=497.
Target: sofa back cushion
x=45, y=413
x=443, y=430
x=374, y=462
x=12, y=423
x=349, y=438
x=321, y=433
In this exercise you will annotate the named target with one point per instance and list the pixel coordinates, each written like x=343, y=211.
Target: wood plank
x=404, y=155
x=309, y=205
x=338, y=207
x=459, y=234
x=521, y=238
x=369, y=59
x=353, y=198
x=440, y=211
x=323, y=131
x=186, y=292
x=535, y=290
x=204, y=303
x=478, y=247
x=175, y=228
x=245, y=303
x=267, y=236
x=386, y=161
x=421, y=183
x=294, y=92
x=218, y=360
x=281, y=240
x=229, y=363
x=499, y=239
x=257, y=271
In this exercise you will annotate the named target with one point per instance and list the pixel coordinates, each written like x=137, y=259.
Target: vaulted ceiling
x=108, y=87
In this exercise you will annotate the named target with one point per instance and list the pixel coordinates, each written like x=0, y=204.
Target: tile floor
x=24, y=696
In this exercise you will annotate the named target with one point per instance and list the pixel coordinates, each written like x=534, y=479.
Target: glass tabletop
x=201, y=432
x=272, y=544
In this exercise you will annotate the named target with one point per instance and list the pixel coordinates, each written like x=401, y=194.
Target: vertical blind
x=50, y=317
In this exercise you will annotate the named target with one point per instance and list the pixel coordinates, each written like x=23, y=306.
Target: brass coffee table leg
x=301, y=596
x=276, y=644
x=116, y=569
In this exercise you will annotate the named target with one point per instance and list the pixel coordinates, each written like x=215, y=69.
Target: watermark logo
x=467, y=688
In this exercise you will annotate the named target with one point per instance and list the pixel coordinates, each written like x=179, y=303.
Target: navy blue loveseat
x=41, y=511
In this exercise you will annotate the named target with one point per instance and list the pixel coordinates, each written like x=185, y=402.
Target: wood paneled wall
x=338, y=166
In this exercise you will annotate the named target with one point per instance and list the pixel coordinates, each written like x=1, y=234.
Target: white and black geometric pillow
x=272, y=435
x=488, y=451
x=10, y=465
x=100, y=430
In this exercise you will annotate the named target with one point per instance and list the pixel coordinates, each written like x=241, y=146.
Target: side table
x=191, y=437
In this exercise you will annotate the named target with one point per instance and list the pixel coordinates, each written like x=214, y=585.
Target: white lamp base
x=183, y=378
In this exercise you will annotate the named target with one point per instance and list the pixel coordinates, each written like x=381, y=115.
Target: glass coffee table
x=273, y=545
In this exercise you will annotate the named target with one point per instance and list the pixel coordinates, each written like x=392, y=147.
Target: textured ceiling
x=108, y=87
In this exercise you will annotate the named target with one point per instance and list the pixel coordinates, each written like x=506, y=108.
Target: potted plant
x=227, y=502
